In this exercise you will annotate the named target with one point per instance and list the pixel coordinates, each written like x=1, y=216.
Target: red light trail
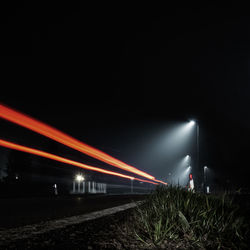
x=33, y=151
x=56, y=135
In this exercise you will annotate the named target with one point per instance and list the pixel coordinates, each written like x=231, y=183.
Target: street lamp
x=205, y=178
x=170, y=179
x=192, y=123
x=131, y=187
x=187, y=159
x=78, y=178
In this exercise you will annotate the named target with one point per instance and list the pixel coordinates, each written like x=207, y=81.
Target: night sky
x=116, y=76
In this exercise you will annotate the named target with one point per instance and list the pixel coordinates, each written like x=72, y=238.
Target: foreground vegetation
x=191, y=220
x=170, y=218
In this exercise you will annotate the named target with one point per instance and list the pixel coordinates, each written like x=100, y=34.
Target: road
x=24, y=211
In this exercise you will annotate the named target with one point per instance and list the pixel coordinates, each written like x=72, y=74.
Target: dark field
x=24, y=211
x=110, y=232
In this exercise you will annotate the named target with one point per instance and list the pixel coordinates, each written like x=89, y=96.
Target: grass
x=190, y=219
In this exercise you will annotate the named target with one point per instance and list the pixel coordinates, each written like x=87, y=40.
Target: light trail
x=56, y=135
x=162, y=182
x=33, y=151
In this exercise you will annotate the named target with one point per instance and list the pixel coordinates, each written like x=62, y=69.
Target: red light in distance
x=33, y=151
x=56, y=135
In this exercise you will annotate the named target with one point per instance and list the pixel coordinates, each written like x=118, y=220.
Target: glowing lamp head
x=190, y=176
x=192, y=123
x=79, y=177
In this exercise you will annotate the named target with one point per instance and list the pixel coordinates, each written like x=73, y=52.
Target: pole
x=205, y=179
x=198, y=153
x=79, y=184
x=204, y=172
x=83, y=186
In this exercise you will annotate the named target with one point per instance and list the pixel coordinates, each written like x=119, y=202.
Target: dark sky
x=113, y=76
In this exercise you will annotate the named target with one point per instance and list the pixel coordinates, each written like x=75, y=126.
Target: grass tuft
x=196, y=220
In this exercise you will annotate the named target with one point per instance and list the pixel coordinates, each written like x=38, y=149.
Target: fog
x=161, y=149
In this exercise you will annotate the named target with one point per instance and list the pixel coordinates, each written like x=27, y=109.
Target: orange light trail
x=161, y=182
x=56, y=135
x=33, y=151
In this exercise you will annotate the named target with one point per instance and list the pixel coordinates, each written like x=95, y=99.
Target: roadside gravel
x=108, y=232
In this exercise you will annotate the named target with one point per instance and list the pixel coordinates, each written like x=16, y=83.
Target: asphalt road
x=16, y=212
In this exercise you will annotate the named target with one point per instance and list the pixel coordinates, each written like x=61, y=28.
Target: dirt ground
x=104, y=233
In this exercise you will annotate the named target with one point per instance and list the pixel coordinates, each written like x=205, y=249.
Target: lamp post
x=205, y=178
x=198, y=148
x=131, y=179
x=79, y=178
x=193, y=122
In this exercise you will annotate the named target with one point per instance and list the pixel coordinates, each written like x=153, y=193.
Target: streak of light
x=56, y=135
x=161, y=182
x=33, y=151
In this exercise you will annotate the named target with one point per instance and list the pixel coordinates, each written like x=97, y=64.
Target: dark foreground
x=25, y=211
x=108, y=232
